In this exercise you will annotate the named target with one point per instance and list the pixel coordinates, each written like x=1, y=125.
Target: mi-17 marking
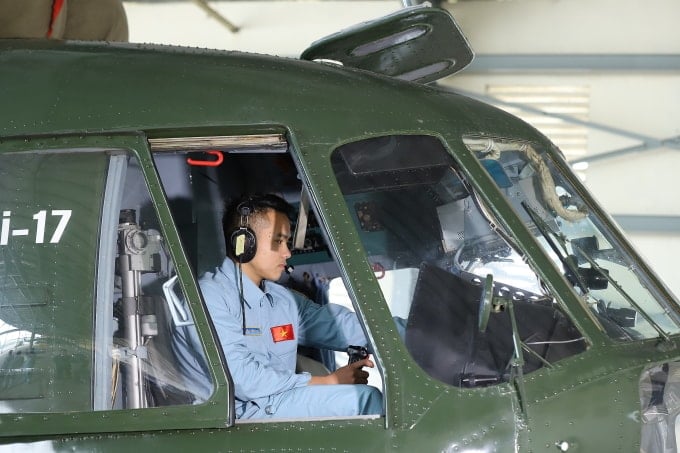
x=41, y=220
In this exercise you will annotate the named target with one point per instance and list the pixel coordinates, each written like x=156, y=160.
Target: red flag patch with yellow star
x=283, y=333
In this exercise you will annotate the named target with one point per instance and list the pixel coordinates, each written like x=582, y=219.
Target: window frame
x=217, y=411
x=266, y=143
x=356, y=186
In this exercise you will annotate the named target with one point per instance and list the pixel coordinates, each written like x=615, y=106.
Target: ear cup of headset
x=243, y=241
x=243, y=244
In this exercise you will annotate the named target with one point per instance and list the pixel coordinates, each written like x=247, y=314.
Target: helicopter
x=504, y=309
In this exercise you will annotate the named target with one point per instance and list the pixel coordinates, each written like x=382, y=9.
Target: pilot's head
x=256, y=233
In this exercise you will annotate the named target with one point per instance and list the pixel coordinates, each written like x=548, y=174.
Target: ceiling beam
x=648, y=223
x=491, y=63
x=672, y=142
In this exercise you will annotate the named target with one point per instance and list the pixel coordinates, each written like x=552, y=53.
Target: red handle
x=208, y=163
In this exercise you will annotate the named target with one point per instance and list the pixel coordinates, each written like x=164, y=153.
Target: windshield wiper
x=622, y=292
x=569, y=262
x=573, y=272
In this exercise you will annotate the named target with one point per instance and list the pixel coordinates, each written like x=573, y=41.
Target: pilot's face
x=272, y=231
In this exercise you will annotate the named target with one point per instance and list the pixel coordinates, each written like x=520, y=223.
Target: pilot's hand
x=349, y=374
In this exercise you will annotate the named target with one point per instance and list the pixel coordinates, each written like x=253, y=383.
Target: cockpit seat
x=443, y=337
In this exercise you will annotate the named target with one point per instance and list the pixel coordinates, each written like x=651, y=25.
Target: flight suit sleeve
x=328, y=326
x=252, y=377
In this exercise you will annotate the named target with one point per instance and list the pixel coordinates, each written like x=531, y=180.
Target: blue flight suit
x=262, y=362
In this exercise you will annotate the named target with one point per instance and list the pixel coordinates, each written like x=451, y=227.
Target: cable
x=241, y=298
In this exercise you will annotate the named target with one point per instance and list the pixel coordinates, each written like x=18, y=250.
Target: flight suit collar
x=251, y=292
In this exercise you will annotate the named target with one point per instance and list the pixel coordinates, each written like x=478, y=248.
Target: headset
x=242, y=245
x=242, y=239
x=242, y=242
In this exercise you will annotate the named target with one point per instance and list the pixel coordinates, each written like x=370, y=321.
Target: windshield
x=566, y=223
x=432, y=247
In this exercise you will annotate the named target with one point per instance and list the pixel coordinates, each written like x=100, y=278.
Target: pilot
x=260, y=324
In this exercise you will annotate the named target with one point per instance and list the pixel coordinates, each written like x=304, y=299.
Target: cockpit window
x=48, y=238
x=598, y=263
x=201, y=176
x=432, y=249
x=90, y=312
x=153, y=325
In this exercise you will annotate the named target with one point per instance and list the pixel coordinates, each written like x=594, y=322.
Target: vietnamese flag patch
x=283, y=333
